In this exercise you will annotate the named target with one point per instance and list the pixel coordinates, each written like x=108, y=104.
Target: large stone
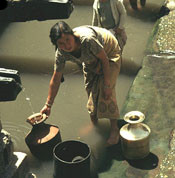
x=12, y=164
x=162, y=39
x=18, y=168
x=83, y=2
x=0, y=126
x=6, y=150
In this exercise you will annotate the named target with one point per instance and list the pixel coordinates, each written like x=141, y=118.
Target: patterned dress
x=93, y=40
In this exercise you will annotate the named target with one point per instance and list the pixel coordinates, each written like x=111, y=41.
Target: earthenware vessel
x=43, y=137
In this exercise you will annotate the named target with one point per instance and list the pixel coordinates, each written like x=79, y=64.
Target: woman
x=98, y=51
x=111, y=14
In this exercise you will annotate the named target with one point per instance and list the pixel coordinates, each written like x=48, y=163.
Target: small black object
x=163, y=11
x=9, y=89
x=24, y=10
x=72, y=159
x=142, y=2
x=10, y=84
x=3, y=4
x=133, y=4
x=62, y=79
x=11, y=74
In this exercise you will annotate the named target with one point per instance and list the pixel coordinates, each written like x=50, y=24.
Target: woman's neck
x=77, y=50
x=77, y=41
x=103, y=0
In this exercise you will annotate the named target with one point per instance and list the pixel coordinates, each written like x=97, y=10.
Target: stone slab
x=0, y=126
x=162, y=39
x=6, y=149
x=18, y=168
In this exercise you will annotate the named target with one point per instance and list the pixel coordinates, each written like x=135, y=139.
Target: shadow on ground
x=3, y=26
x=149, y=13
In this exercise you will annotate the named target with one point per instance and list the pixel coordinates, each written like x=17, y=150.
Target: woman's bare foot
x=114, y=137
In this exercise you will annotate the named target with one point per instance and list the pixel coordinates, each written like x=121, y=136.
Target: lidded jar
x=135, y=136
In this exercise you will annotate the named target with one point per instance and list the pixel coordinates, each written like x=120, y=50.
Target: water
x=25, y=46
x=29, y=101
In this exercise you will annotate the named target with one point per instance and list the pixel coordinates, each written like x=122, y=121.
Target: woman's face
x=67, y=42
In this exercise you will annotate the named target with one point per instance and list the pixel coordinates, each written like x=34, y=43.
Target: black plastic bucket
x=71, y=160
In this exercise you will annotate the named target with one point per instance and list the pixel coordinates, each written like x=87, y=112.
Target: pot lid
x=134, y=117
x=36, y=118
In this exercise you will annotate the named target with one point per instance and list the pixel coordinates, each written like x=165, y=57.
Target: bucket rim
x=67, y=162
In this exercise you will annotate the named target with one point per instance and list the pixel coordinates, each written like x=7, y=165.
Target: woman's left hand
x=102, y=56
x=118, y=30
x=107, y=93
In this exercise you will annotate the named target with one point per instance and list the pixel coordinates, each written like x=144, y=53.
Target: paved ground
x=152, y=93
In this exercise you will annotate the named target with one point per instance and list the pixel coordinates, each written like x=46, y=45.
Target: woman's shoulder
x=99, y=30
x=117, y=1
x=95, y=4
x=85, y=33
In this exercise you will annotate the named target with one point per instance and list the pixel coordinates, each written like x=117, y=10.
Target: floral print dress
x=93, y=40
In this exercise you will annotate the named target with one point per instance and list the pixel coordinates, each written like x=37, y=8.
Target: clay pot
x=42, y=138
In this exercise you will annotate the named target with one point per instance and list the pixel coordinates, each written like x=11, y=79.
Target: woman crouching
x=100, y=55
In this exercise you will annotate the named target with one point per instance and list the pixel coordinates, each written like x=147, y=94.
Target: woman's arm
x=122, y=13
x=54, y=86
x=94, y=18
x=94, y=14
x=53, y=90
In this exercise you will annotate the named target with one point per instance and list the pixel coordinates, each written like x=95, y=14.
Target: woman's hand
x=99, y=68
x=107, y=92
x=118, y=30
x=46, y=109
x=102, y=56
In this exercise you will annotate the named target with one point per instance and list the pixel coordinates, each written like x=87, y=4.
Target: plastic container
x=72, y=160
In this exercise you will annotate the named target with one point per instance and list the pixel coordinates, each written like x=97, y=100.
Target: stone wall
x=83, y=2
x=12, y=164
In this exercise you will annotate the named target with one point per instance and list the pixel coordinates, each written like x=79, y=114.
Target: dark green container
x=71, y=160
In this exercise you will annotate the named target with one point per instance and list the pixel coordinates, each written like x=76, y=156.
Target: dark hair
x=57, y=30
